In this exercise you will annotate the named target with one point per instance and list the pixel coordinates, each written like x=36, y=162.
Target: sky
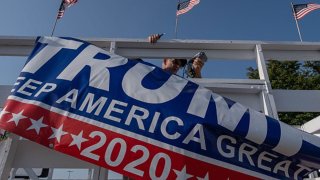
x=261, y=20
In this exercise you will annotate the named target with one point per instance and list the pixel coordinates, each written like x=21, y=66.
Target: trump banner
x=133, y=118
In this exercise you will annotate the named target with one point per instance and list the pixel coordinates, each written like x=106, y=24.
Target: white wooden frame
x=256, y=94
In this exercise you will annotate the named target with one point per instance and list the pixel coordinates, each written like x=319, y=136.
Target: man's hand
x=154, y=38
x=197, y=66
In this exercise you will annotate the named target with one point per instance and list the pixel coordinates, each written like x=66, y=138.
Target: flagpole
x=54, y=27
x=55, y=23
x=176, y=28
x=297, y=24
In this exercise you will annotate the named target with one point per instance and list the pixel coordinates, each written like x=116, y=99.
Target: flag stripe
x=305, y=11
x=300, y=10
x=186, y=6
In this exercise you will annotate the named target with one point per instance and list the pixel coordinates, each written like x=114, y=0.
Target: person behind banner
x=173, y=65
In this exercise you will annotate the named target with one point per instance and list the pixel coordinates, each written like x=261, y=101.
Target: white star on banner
x=77, y=140
x=37, y=125
x=3, y=112
x=205, y=178
x=57, y=133
x=17, y=117
x=182, y=175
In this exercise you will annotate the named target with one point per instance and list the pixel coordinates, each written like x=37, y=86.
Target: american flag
x=64, y=5
x=185, y=6
x=300, y=10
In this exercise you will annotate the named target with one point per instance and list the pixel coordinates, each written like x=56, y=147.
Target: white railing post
x=267, y=98
x=100, y=173
x=7, y=153
x=113, y=47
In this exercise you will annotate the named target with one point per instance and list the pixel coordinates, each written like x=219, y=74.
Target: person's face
x=171, y=65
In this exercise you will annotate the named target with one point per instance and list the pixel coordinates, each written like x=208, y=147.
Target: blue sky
x=270, y=20
x=263, y=20
x=223, y=20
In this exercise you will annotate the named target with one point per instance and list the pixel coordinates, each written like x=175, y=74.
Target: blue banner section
x=136, y=96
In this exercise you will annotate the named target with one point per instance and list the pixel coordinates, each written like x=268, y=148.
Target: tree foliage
x=292, y=75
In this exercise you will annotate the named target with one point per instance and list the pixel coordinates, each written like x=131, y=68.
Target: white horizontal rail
x=297, y=100
x=312, y=126
x=227, y=50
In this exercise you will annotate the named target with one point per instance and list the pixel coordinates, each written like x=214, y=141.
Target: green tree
x=292, y=75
